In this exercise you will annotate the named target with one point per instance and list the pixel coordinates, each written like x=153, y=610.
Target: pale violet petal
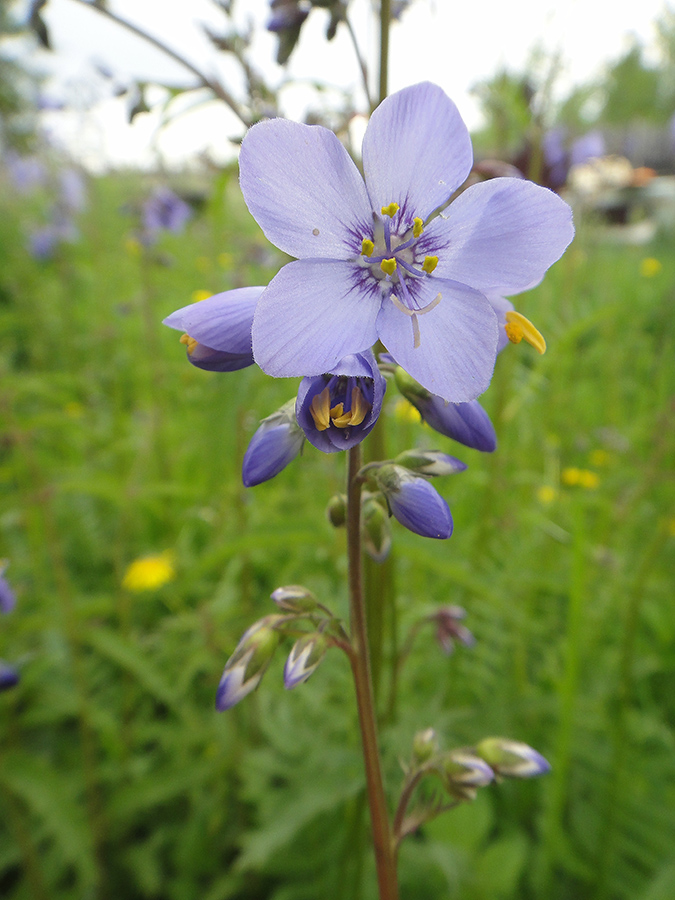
x=500, y=235
x=416, y=151
x=458, y=341
x=222, y=322
x=312, y=315
x=304, y=190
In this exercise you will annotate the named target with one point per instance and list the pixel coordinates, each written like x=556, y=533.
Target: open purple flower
x=218, y=329
x=337, y=410
x=372, y=259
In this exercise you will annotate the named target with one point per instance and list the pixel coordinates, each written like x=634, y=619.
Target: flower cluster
x=9, y=676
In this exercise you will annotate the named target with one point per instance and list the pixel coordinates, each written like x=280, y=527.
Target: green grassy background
x=118, y=779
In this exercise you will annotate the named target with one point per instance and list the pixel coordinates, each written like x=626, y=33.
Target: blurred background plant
x=137, y=558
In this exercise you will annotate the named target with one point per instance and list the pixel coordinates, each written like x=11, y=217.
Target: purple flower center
x=395, y=260
x=345, y=401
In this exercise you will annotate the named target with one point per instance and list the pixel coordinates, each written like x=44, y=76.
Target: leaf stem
x=385, y=857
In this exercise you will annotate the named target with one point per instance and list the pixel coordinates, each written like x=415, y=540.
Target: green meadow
x=117, y=777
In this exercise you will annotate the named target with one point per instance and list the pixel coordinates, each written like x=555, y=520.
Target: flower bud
x=337, y=510
x=429, y=462
x=277, y=442
x=249, y=662
x=463, y=773
x=375, y=529
x=414, y=502
x=512, y=759
x=467, y=423
x=294, y=598
x=337, y=410
x=217, y=331
x=425, y=745
x=303, y=659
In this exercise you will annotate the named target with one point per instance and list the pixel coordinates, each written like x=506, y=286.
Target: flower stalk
x=385, y=858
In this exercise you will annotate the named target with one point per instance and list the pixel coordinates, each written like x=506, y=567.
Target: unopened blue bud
x=294, y=598
x=414, y=502
x=303, y=659
x=467, y=423
x=465, y=772
x=430, y=462
x=249, y=662
x=512, y=759
x=277, y=442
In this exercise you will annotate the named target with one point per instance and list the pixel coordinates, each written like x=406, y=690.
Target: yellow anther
x=388, y=266
x=418, y=226
x=189, y=342
x=320, y=410
x=390, y=210
x=519, y=328
x=367, y=247
x=340, y=418
x=360, y=407
x=429, y=264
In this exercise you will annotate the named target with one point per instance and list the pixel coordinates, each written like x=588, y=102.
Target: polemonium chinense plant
x=391, y=280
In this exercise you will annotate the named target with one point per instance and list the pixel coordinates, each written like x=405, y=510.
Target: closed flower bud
x=512, y=759
x=449, y=628
x=249, y=662
x=337, y=510
x=464, y=773
x=425, y=745
x=467, y=423
x=217, y=330
x=337, y=410
x=414, y=502
x=277, y=442
x=429, y=462
x=303, y=659
x=375, y=529
x=294, y=598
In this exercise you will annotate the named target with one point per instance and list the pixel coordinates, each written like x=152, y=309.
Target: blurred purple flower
x=164, y=210
x=287, y=14
x=370, y=266
x=588, y=146
x=26, y=172
x=7, y=598
x=338, y=410
x=449, y=628
x=73, y=191
x=9, y=677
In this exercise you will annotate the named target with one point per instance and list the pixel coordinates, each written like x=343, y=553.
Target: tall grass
x=118, y=779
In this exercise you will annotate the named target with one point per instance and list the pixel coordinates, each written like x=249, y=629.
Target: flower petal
x=312, y=315
x=304, y=190
x=416, y=151
x=500, y=235
x=222, y=322
x=458, y=341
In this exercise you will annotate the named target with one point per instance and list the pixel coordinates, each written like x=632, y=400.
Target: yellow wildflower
x=201, y=295
x=649, y=267
x=148, y=573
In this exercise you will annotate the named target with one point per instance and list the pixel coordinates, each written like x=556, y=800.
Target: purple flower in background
x=287, y=14
x=277, y=442
x=9, y=677
x=588, y=146
x=337, y=410
x=73, y=190
x=26, y=172
x=164, y=210
x=374, y=263
x=449, y=628
x=218, y=329
x=7, y=598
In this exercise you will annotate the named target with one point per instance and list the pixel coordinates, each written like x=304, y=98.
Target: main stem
x=385, y=856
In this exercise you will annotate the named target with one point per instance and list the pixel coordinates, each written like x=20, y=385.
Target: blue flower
x=337, y=410
x=277, y=442
x=414, y=502
x=9, y=677
x=374, y=262
x=7, y=598
x=164, y=210
x=512, y=759
x=218, y=329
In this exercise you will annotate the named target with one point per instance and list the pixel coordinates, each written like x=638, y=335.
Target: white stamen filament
x=414, y=313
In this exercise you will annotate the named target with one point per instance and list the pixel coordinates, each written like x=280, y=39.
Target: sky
x=455, y=45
